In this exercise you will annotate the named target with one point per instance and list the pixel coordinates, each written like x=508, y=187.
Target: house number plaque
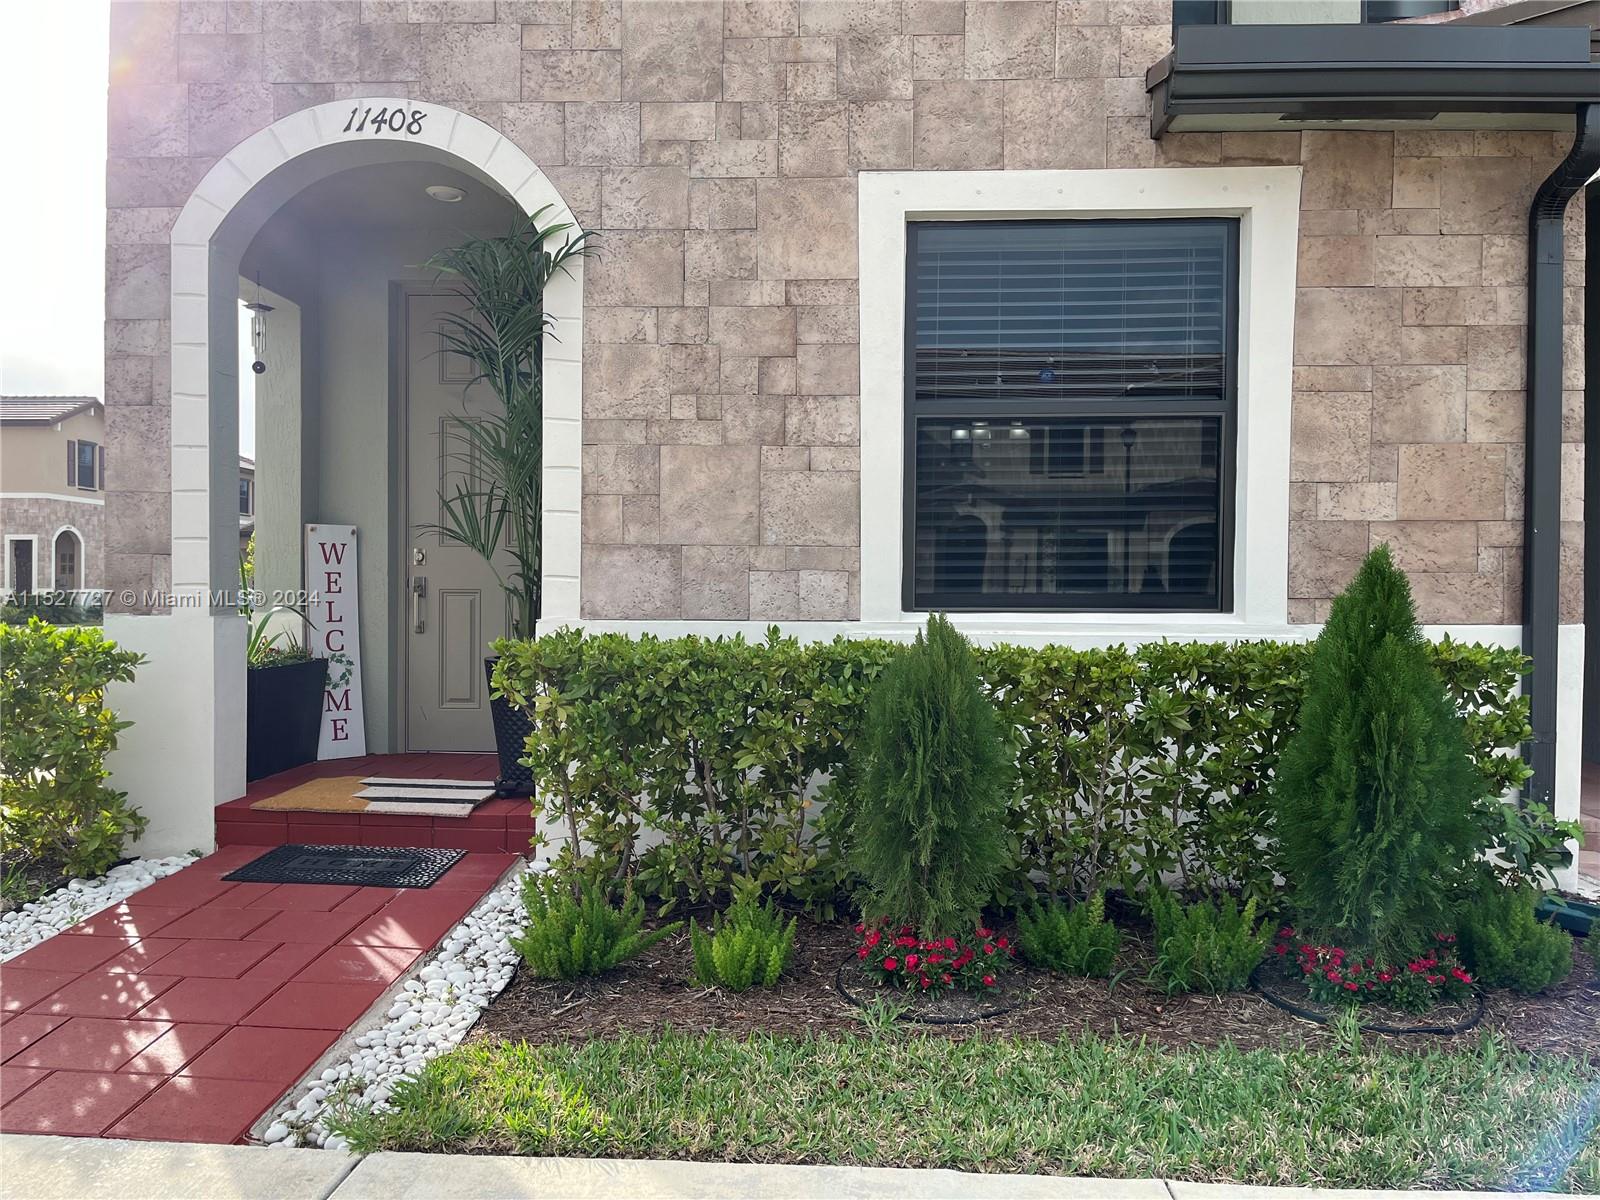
x=385, y=120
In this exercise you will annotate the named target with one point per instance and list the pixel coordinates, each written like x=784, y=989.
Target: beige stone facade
x=714, y=145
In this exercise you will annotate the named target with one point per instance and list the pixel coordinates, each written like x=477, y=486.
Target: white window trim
x=32, y=538
x=1267, y=201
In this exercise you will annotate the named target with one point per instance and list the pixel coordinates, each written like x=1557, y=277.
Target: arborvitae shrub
x=1505, y=945
x=1205, y=947
x=748, y=945
x=930, y=828
x=1075, y=941
x=568, y=937
x=1374, y=794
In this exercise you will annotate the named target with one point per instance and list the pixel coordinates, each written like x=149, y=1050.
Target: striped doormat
x=381, y=794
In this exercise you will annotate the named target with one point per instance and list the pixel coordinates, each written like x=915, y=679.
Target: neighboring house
x=1089, y=321
x=247, y=501
x=52, y=493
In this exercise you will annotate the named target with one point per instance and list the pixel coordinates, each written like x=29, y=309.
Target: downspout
x=1541, y=555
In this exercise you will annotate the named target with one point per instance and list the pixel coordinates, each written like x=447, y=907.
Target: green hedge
x=55, y=732
x=687, y=762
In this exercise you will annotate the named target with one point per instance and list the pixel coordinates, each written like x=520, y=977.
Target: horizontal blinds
x=1121, y=513
x=1042, y=310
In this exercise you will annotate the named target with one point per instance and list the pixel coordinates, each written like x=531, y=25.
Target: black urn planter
x=511, y=730
x=283, y=716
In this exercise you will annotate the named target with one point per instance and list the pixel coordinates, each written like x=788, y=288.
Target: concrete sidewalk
x=66, y=1168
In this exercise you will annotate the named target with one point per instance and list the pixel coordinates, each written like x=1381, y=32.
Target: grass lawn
x=1478, y=1117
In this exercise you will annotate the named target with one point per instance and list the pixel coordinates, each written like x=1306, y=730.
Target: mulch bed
x=32, y=878
x=656, y=990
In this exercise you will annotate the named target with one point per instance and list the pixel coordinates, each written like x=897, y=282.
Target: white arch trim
x=199, y=565
x=55, y=584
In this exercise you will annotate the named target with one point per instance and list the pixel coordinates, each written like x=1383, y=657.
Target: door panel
x=456, y=606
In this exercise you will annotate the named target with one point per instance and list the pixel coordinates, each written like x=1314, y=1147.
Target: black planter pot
x=283, y=716
x=511, y=730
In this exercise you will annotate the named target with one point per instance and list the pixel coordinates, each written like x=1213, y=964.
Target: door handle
x=419, y=588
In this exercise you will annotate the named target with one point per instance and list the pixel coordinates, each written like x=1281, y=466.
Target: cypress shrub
x=930, y=829
x=1374, y=793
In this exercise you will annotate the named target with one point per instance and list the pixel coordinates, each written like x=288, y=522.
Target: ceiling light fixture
x=445, y=193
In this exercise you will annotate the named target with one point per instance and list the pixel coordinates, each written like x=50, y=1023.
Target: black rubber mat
x=355, y=866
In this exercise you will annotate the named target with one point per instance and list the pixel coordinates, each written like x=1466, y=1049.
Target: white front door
x=454, y=604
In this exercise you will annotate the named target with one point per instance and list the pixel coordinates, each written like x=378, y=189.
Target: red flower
x=945, y=978
x=861, y=953
x=874, y=938
x=1350, y=987
x=1460, y=975
x=985, y=933
x=988, y=947
x=1282, y=948
x=911, y=961
x=891, y=964
x=949, y=943
x=988, y=981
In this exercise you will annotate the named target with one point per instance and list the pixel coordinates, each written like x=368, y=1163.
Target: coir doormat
x=353, y=866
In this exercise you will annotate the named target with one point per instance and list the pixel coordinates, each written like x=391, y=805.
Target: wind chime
x=258, y=329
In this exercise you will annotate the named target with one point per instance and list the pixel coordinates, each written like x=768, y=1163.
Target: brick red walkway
x=185, y=1013
x=498, y=826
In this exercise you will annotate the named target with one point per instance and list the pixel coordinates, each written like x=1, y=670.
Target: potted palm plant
x=500, y=334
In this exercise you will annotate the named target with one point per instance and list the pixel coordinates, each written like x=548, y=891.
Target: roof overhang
x=1229, y=77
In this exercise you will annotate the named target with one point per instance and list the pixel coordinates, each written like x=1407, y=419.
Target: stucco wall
x=714, y=147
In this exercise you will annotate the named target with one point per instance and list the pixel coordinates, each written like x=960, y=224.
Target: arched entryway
x=66, y=558
x=185, y=751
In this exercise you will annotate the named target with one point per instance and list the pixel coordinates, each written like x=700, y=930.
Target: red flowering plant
x=901, y=958
x=1334, y=975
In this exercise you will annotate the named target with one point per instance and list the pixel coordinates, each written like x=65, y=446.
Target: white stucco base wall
x=184, y=753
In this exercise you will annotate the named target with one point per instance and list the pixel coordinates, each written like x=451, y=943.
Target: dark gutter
x=1541, y=555
x=1371, y=71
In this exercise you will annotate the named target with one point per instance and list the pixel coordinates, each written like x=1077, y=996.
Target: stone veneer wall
x=42, y=518
x=714, y=144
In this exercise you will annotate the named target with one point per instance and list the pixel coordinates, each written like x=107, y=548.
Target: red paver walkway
x=502, y=826
x=186, y=1012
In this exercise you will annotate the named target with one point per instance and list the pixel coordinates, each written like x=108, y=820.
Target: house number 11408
x=385, y=120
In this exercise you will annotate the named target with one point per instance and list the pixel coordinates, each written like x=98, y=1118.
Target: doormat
x=352, y=866
x=355, y=794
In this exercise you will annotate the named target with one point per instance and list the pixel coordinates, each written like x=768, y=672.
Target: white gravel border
x=24, y=928
x=432, y=1013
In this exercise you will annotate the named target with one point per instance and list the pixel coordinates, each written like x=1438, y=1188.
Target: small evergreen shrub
x=930, y=830
x=1505, y=945
x=55, y=733
x=569, y=936
x=1075, y=941
x=1375, y=792
x=749, y=945
x=1205, y=947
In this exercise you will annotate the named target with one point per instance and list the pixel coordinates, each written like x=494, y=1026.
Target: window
x=83, y=459
x=1070, y=408
x=246, y=497
x=66, y=561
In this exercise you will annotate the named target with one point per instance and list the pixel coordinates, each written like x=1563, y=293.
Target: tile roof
x=43, y=410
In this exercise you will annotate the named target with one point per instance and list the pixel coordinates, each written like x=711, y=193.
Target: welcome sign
x=333, y=578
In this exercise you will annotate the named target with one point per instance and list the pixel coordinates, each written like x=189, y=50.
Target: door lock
x=419, y=589
x=418, y=556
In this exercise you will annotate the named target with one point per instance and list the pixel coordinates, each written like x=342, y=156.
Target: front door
x=454, y=605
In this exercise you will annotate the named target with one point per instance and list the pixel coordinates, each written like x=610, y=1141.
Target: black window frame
x=1228, y=438
x=247, y=497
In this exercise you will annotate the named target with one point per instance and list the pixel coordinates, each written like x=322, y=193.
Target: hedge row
x=683, y=763
x=55, y=733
